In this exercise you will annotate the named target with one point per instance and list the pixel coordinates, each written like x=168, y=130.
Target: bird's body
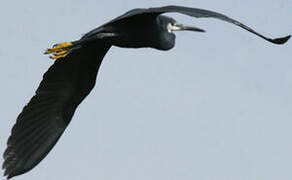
x=71, y=78
x=136, y=33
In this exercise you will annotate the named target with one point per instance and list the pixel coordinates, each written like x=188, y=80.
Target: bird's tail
x=61, y=50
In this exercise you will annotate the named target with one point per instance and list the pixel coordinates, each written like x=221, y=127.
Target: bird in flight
x=72, y=76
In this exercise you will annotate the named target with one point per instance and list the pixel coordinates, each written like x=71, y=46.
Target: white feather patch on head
x=172, y=27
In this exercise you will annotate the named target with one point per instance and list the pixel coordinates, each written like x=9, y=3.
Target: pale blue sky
x=215, y=107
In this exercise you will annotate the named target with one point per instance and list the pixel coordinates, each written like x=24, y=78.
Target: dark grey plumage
x=70, y=79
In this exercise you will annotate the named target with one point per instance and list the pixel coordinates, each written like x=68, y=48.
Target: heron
x=73, y=75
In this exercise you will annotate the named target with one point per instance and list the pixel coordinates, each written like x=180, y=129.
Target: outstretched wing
x=194, y=12
x=43, y=120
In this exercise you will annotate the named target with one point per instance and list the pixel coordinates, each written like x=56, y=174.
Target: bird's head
x=167, y=26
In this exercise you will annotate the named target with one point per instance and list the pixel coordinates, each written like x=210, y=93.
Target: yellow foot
x=58, y=47
x=59, y=50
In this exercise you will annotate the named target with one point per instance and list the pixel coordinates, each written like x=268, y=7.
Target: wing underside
x=43, y=120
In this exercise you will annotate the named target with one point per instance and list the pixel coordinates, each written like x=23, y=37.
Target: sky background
x=215, y=107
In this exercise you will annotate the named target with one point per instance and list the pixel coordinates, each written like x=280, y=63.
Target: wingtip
x=9, y=177
x=10, y=172
x=11, y=168
x=281, y=40
x=7, y=174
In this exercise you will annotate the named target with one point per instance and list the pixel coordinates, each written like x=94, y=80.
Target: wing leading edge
x=194, y=12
